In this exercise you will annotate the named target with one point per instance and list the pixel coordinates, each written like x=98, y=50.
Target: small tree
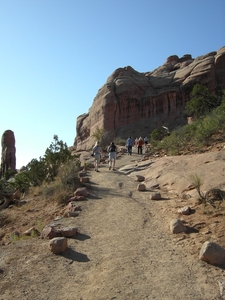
x=98, y=134
x=202, y=102
x=102, y=136
x=36, y=171
x=57, y=154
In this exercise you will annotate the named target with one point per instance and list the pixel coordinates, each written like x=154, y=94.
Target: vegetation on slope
x=55, y=172
x=208, y=113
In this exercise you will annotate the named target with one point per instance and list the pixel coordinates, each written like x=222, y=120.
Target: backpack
x=112, y=148
x=129, y=142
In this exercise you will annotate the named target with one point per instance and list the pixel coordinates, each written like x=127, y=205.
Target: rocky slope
x=134, y=103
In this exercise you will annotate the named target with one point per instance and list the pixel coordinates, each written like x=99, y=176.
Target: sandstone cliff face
x=133, y=103
x=8, y=158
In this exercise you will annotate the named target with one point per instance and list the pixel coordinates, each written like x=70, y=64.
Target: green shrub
x=197, y=134
x=157, y=135
x=202, y=102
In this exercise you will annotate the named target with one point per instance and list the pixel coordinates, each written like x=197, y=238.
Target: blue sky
x=55, y=55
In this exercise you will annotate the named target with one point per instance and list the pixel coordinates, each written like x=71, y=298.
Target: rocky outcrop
x=8, y=159
x=133, y=103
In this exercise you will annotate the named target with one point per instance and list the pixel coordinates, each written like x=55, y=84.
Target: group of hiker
x=112, y=150
x=138, y=142
x=97, y=151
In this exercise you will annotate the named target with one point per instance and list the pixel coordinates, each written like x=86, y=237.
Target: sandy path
x=124, y=251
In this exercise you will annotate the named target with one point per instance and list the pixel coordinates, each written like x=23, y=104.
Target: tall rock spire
x=8, y=158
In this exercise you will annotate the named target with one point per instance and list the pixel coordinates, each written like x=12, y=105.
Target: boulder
x=72, y=206
x=32, y=231
x=141, y=187
x=58, y=245
x=176, y=226
x=69, y=214
x=186, y=210
x=221, y=283
x=212, y=253
x=68, y=231
x=82, y=191
x=139, y=178
x=76, y=198
x=155, y=196
x=84, y=179
x=50, y=232
x=82, y=174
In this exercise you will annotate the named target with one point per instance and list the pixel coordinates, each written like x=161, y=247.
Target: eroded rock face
x=133, y=104
x=8, y=158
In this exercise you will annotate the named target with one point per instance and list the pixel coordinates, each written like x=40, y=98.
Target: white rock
x=176, y=226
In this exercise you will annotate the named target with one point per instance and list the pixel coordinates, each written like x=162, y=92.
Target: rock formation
x=133, y=103
x=8, y=159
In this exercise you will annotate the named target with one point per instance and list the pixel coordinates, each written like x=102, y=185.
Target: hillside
x=124, y=249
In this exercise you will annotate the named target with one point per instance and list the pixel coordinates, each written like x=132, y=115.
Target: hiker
x=140, y=144
x=97, y=151
x=146, y=141
x=112, y=155
x=135, y=142
x=129, y=144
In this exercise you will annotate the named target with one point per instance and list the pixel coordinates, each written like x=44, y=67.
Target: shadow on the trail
x=161, y=199
x=93, y=196
x=82, y=237
x=220, y=266
x=103, y=192
x=191, y=230
x=75, y=256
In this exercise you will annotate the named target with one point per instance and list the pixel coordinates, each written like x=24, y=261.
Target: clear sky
x=56, y=54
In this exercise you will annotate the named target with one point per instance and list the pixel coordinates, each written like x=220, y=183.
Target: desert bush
x=157, y=135
x=62, y=197
x=197, y=182
x=103, y=137
x=40, y=225
x=98, y=134
x=119, y=141
x=68, y=173
x=22, y=181
x=175, y=142
x=5, y=218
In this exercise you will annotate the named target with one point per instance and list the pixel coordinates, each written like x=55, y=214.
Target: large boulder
x=212, y=253
x=134, y=103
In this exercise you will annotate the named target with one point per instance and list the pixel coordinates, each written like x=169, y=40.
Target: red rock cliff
x=133, y=103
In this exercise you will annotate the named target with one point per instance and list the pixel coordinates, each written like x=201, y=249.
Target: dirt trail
x=124, y=251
